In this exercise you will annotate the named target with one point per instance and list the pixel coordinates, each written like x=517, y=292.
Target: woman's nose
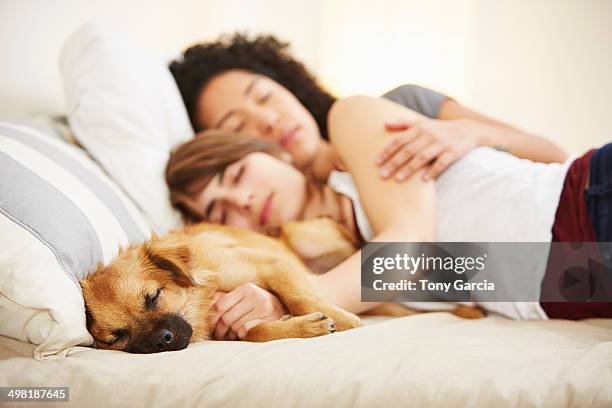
x=248, y=202
x=243, y=199
x=266, y=121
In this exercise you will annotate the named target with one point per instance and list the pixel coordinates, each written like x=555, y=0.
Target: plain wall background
x=546, y=65
x=542, y=65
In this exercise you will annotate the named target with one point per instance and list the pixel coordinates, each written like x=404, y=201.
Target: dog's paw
x=314, y=324
x=344, y=320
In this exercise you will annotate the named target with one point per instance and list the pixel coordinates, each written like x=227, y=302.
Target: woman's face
x=256, y=192
x=238, y=100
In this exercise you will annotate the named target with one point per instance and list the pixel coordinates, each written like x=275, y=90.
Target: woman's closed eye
x=239, y=174
x=240, y=126
x=219, y=210
x=264, y=98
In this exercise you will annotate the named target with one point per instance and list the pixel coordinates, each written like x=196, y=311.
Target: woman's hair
x=263, y=55
x=193, y=164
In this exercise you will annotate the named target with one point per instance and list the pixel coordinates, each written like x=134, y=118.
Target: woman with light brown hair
x=247, y=184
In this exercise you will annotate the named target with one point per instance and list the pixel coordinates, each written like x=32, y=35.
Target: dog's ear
x=174, y=259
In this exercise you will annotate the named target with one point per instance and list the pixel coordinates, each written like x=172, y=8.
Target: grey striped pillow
x=59, y=215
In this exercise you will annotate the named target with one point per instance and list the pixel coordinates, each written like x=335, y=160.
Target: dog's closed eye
x=151, y=300
x=120, y=334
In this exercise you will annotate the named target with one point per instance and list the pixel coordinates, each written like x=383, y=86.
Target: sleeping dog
x=156, y=296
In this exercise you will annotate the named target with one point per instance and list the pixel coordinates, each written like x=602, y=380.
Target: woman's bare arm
x=397, y=212
x=435, y=144
x=499, y=134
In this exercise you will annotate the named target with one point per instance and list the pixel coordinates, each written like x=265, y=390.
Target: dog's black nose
x=164, y=339
x=169, y=333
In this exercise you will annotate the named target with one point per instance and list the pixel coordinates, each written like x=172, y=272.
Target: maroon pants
x=573, y=224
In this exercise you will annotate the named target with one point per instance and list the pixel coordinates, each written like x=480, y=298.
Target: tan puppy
x=156, y=296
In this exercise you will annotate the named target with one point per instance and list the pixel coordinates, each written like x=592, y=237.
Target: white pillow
x=126, y=110
x=59, y=215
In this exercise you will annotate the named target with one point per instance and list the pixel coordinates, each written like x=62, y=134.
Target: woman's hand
x=238, y=311
x=435, y=144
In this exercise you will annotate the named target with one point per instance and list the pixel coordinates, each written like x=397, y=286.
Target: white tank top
x=486, y=196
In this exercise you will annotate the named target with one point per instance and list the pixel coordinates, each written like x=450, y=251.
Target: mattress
x=432, y=359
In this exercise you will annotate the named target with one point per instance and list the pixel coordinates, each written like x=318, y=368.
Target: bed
x=431, y=359
x=96, y=189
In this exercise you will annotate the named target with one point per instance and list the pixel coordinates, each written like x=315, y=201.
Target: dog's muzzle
x=169, y=333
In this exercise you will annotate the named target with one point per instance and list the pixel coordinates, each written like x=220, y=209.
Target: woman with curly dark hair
x=253, y=85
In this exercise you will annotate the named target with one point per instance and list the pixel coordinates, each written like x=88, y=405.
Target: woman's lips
x=289, y=137
x=266, y=210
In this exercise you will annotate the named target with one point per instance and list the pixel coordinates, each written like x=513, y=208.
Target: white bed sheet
x=433, y=359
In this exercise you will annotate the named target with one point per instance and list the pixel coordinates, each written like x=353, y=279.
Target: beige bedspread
x=433, y=359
